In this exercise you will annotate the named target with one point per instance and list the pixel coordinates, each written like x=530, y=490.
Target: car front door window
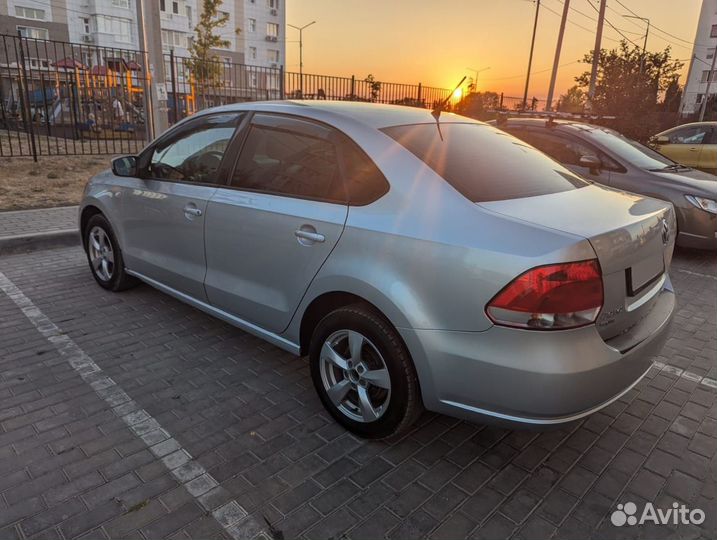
x=194, y=155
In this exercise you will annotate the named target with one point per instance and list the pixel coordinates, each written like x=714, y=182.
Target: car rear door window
x=565, y=149
x=291, y=157
x=484, y=163
x=196, y=152
x=364, y=181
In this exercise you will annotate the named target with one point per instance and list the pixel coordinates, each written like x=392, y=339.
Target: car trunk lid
x=633, y=238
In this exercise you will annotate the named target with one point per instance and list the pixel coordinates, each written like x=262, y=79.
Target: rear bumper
x=525, y=377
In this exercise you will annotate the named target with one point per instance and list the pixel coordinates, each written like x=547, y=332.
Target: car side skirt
x=248, y=327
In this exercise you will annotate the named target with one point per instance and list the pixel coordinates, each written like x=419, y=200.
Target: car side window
x=567, y=151
x=285, y=156
x=690, y=135
x=364, y=181
x=195, y=154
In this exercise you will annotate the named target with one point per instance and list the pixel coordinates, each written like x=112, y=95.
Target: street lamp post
x=644, y=43
x=477, y=71
x=301, y=54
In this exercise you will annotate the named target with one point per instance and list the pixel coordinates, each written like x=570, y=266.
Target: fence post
x=420, y=88
x=353, y=88
x=173, y=72
x=281, y=83
x=44, y=105
x=501, y=101
x=25, y=92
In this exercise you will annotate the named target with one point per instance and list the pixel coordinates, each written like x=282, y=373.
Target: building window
x=30, y=13
x=713, y=31
x=188, y=11
x=120, y=3
x=273, y=56
x=706, y=76
x=120, y=28
x=710, y=53
x=252, y=53
x=85, y=24
x=162, y=7
x=173, y=39
x=252, y=80
x=252, y=25
x=33, y=33
x=274, y=4
x=272, y=30
x=175, y=8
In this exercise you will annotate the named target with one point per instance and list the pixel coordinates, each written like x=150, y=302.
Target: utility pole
x=150, y=41
x=556, y=60
x=596, y=51
x=644, y=43
x=710, y=77
x=530, y=59
x=301, y=54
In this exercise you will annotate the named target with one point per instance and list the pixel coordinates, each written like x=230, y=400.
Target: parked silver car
x=418, y=263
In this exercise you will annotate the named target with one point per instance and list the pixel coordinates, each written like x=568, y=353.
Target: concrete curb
x=43, y=240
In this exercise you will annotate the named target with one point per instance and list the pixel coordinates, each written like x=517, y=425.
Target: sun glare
x=457, y=93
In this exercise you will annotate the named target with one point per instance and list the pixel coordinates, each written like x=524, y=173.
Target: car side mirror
x=662, y=139
x=125, y=166
x=591, y=162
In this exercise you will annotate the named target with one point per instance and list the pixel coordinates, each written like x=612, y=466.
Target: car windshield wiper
x=674, y=167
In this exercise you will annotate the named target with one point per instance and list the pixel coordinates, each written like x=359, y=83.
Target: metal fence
x=59, y=98
x=227, y=82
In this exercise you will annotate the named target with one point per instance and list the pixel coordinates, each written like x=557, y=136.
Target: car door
x=270, y=230
x=164, y=210
x=708, y=153
x=685, y=144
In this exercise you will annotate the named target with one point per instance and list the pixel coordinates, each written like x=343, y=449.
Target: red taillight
x=555, y=296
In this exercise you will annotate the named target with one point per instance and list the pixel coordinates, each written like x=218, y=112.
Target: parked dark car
x=606, y=157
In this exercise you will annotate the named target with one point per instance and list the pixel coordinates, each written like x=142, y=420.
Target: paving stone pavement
x=247, y=412
x=41, y=220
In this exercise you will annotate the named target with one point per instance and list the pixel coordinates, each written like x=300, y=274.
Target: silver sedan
x=419, y=262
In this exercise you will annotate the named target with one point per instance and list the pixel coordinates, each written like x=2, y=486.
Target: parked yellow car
x=694, y=145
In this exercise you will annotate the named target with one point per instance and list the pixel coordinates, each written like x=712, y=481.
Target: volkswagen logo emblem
x=665, y=231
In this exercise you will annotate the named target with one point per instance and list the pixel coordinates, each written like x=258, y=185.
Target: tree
x=573, y=101
x=629, y=85
x=374, y=86
x=673, y=96
x=477, y=104
x=203, y=64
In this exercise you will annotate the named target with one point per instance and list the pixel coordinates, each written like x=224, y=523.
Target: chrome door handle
x=193, y=210
x=311, y=236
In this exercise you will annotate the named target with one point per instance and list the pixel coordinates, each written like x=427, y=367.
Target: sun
x=457, y=94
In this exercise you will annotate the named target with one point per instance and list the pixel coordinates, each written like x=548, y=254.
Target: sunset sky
x=433, y=42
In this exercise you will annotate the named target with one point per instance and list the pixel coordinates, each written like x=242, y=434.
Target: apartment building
x=703, y=53
x=113, y=23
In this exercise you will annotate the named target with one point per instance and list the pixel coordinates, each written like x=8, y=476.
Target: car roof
x=548, y=122
x=688, y=125
x=374, y=115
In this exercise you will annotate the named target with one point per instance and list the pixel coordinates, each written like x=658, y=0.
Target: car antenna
x=440, y=107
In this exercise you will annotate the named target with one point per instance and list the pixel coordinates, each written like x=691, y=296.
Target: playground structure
x=51, y=90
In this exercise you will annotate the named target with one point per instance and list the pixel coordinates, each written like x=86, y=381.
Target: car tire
x=105, y=256
x=363, y=373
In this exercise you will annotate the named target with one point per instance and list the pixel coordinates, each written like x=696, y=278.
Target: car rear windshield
x=483, y=163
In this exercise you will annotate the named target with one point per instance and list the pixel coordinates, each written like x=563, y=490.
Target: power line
x=655, y=27
x=533, y=72
x=578, y=25
x=614, y=27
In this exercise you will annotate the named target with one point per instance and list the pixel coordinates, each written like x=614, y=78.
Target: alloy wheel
x=355, y=376
x=101, y=254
